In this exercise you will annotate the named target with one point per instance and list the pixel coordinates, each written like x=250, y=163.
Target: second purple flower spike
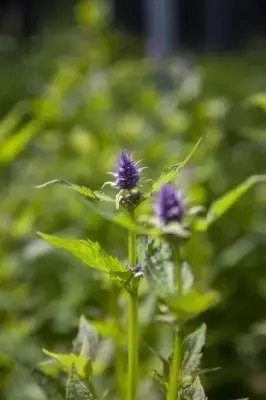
x=169, y=206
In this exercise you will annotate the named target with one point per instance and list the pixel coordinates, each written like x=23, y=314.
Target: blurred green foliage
x=80, y=98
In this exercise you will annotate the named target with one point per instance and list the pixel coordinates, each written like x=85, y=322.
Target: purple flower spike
x=169, y=205
x=127, y=172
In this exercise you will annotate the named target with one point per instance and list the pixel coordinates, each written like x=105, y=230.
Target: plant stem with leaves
x=132, y=321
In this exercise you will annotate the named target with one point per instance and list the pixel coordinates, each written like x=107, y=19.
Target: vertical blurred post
x=162, y=34
x=218, y=24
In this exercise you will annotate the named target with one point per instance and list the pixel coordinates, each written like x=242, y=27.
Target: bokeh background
x=81, y=80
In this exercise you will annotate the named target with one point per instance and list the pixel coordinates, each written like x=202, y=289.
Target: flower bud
x=169, y=206
x=127, y=173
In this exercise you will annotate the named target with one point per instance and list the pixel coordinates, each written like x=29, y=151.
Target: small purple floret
x=169, y=206
x=127, y=173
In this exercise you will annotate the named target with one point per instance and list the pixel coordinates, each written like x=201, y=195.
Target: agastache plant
x=157, y=253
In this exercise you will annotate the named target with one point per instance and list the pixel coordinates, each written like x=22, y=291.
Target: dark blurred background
x=211, y=25
x=79, y=80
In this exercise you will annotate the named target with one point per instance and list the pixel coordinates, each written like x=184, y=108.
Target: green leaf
x=83, y=190
x=67, y=360
x=259, y=100
x=192, y=350
x=158, y=266
x=10, y=122
x=91, y=254
x=169, y=173
x=192, y=303
x=51, y=386
x=119, y=218
x=13, y=145
x=222, y=204
x=101, y=196
x=108, y=329
x=124, y=221
x=76, y=389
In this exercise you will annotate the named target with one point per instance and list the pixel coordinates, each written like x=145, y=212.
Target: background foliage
x=68, y=105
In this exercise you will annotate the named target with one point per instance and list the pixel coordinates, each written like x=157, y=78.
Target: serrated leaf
x=51, y=386
x=76, y=389
x=101, y=196
x=159, y=267
x=92, y=201
x=90, y=253
x=83, y=190
x=192, y=350
x=66, y=360
x=222, y=204
x=169, y=173
x=192, y=303
x=86, y=341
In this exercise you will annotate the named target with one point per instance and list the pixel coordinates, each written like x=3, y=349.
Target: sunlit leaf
x=66, y=361
x=76, y=389
x=169, y=173
x=222, y=204
x=107, y=328
x=90, y=253
x=259, y=100
x=192, y=303
x=192, y=350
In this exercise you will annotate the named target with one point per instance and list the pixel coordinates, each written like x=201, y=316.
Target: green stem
x=132, y=323
x=132, y=346
x=174, y=383
x=119, y=369
x=132, y=254
x=119, y=356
